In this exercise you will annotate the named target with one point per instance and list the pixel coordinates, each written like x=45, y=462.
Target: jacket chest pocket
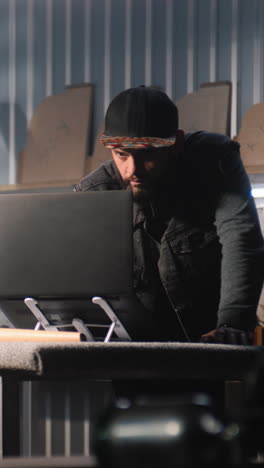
x=196, y=253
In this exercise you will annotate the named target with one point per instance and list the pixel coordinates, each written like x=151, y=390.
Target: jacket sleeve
x=238, y=228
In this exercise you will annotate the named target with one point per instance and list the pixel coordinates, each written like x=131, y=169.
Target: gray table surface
x=126, y=360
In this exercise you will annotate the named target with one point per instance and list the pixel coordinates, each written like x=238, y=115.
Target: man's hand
x=228, y=335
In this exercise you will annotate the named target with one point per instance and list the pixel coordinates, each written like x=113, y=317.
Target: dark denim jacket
x=211, y=253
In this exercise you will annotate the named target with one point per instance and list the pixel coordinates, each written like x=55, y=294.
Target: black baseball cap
x=139, y=118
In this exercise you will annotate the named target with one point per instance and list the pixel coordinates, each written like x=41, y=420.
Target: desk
x=126, y=360
x=146, y=362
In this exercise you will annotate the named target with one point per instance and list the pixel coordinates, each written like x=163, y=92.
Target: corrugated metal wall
x=175, y=44
x=59, y=417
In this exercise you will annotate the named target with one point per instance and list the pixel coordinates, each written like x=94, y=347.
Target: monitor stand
x=85, y=329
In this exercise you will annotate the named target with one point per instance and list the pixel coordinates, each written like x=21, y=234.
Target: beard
x=141, y=194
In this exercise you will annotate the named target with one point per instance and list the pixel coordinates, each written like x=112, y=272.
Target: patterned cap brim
x=135, y=142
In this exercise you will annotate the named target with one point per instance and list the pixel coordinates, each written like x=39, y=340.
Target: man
x=198, y=247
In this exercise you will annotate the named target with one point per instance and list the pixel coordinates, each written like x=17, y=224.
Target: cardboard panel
x=206, y=109
x=100, y=153
x=57, y=138
x=251, y=138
